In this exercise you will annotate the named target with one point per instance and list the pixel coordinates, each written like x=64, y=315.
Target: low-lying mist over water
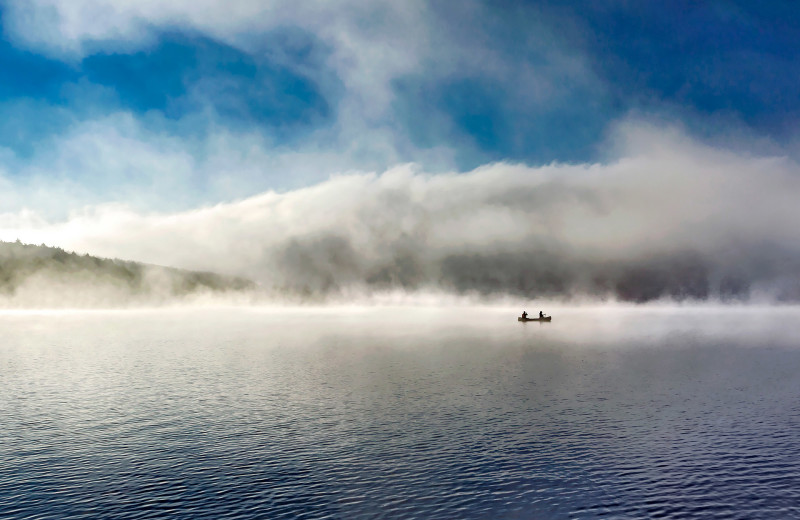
x=669, y=219
x=46, y=277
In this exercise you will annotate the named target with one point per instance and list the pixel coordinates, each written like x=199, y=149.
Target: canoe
x=546, y=318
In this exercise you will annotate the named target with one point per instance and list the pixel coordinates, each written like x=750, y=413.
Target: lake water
x=400, y=413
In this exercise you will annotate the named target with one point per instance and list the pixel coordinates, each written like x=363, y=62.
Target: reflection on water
x=400, y=413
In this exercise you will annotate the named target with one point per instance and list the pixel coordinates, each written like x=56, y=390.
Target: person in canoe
x=541, y=315
x=524, y=314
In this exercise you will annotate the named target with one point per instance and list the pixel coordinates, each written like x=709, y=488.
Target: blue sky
x=448, y=85
x=177, y=132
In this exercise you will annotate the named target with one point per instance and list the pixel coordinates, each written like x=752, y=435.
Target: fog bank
x=668, y=218
x=35, y=277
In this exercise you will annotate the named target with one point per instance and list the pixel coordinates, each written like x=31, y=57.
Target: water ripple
x=221, y=419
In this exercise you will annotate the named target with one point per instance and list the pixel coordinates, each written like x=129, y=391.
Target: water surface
x=400, y=413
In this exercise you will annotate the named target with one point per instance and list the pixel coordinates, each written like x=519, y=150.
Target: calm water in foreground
x=400, y=413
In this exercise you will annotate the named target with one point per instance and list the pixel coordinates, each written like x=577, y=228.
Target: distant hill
x=43, y=277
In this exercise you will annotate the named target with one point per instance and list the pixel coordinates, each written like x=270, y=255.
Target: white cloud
x=373, y=43
x=116, y=187
x=117, y=159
